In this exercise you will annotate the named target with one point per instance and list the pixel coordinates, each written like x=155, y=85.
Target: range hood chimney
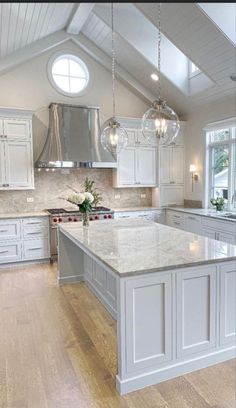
x=73, y=139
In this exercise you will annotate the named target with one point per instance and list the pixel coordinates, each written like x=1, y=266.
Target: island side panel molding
x=158, y=302
x=228, y=304
x=148, y=322
x=70, y=260
x=196, y=310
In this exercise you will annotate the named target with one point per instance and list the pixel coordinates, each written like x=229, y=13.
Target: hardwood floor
x=58, y=350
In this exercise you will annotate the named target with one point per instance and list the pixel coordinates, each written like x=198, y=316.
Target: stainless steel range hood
x=73, y=139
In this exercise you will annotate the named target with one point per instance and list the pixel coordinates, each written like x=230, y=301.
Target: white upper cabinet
x=127, y=167
x=18, y=164
x=172, y=165
x=16, y=128
x=136, y=167
x=16, y=156
x=146, y=171
x=2, y=163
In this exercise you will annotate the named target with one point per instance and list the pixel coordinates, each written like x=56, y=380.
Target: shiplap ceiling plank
x=28, y=29
x=79, y=18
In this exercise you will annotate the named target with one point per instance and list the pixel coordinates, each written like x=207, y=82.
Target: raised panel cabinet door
x=226, y=237
x=127, y=167
x=146, y=169
x=149, y=322
x=209, y=233
x=196, y=310
x=10, y=251
x=165, y=165
x=193, y=224
x=177, y=171
x=172, y=194
x=16, y=128
x=2, y=164
x=19, y=166
x=1, y=128
x=228, y=303
x=131, y=137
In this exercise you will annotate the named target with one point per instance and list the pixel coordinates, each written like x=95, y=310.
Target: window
x=68, y=74
x=221, y=163
x=193, y=69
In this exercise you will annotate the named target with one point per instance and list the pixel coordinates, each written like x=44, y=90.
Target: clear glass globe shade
x=160, y=122
x=114, y=138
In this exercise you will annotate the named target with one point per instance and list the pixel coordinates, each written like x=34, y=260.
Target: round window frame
x=77, y=59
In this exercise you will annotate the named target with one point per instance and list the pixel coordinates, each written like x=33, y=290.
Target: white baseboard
x=173, y=370
x=24, y=263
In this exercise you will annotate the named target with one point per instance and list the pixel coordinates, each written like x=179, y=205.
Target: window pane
x=220, y=135
x=61, y=67
x=77, y=84
x=220, y=171
x=62, y=82
x=234, y=178
x=76, y=70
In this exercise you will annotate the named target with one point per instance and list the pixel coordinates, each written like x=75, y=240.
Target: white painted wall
x=28, y=87
x=194, y=139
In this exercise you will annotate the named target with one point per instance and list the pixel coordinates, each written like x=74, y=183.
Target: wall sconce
x=194, y=175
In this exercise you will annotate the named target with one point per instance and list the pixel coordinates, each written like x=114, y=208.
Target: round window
x=68, y=74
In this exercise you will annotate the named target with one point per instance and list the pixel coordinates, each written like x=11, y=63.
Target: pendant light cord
x=159, y=51
x=113, y=60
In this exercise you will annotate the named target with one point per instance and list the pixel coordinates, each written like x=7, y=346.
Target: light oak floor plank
x=58, y=350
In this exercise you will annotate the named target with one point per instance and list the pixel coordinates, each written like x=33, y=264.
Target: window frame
x=231, y=144
x=76, y=58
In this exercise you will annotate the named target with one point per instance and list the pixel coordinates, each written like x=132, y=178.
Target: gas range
x=59, y=215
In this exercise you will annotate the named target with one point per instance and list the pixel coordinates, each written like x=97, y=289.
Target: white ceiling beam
x=79, y=18
x=32, y=50
x=102, y=58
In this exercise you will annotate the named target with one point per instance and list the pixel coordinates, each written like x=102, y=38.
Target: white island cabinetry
x=170, y=317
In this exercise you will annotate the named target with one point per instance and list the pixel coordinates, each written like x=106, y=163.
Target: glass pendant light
x=160, y=121
x=113, y=138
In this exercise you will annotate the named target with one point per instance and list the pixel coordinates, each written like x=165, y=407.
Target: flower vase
x=85, y=219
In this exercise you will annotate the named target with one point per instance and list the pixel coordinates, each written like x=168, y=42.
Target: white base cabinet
x=220, y=230
x=24, y=239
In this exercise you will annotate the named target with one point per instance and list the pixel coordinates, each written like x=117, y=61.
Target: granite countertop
x=205, y=212
x=24, y=214
x=147, y=208
x=136, y=246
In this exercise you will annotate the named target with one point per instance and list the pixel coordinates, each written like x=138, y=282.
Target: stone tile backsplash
x=51, y=186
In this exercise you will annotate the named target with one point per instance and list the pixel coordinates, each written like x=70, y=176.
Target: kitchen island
x=172, y=293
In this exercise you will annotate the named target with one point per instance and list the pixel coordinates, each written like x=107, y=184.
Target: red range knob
x=109, y=216
x=60, y=219
x=75, y=219
x=105, y=216
x=69, y=219
x=54, y=219
x=96, y=217
x=91, y=218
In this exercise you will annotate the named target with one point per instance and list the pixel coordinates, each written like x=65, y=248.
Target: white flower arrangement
x=83, y=200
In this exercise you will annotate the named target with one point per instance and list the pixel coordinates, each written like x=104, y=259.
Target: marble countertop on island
x=136, y=246
x=29, y=214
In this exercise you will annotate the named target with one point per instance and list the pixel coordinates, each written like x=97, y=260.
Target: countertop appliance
x=61, y=215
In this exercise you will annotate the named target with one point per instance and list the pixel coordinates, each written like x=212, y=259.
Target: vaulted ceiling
x=189, y=34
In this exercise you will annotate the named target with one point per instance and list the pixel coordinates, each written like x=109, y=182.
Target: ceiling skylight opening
x=193, y=69
x=155, y=77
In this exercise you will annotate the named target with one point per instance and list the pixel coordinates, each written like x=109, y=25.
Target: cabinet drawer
x=36, y=232
x=219, y=225
x=36, y=248
x=175, y=219
x=35, y=222
x=10, y=252
x=9, y=229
